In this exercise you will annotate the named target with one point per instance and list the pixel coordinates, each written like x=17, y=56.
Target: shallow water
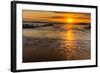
x=55, y=45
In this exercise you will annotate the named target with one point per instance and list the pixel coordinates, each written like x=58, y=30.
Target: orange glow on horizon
x=50, y=16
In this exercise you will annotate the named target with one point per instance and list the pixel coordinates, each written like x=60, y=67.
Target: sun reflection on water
x=69, y=35
x=69, y=44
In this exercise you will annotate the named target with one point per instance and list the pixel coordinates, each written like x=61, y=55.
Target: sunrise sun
x=69, y=20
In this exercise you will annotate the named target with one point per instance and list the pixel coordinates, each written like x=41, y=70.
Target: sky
x=53, y=16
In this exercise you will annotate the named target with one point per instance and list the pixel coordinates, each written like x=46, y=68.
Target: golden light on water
x=68, y=26
x=69, y=35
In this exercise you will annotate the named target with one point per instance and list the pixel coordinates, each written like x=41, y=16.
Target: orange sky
x=51, y=16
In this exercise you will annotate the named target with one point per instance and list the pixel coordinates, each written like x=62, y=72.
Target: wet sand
x=54, y=50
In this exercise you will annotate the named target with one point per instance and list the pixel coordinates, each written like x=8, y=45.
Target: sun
x=69, y=20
